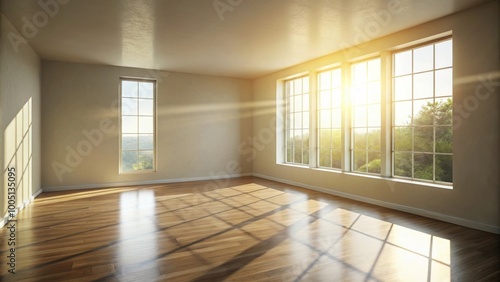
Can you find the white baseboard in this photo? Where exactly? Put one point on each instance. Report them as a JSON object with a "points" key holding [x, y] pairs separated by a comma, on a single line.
{"points": [[412, 210], [135, 183], [6, 217]]}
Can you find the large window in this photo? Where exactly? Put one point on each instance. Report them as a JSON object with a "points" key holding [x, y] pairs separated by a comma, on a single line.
{"points": [[137, 125], [366, 116], [329, 118], [297, 121], [422, 105], [389, 115]]}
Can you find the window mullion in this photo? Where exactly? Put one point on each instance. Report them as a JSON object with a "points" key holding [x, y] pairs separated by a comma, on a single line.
{"points": [[313, 120], [346, 117], [386, 114]]}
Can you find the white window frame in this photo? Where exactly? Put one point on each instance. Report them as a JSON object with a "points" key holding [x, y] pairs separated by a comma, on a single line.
{"points": [[154, 133], [386, 104]]}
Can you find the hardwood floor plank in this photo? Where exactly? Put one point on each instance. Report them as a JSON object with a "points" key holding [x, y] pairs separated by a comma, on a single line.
{"points": [[250, 230]]}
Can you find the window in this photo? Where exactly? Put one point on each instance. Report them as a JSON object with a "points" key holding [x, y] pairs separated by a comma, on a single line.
{"points": [[329, 119], [366, 116], [297, 121], [422, 107], [389, 115], [137, 136]]}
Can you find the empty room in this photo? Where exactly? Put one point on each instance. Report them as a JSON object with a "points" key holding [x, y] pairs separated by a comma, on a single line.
{"points": [[250, 140]]}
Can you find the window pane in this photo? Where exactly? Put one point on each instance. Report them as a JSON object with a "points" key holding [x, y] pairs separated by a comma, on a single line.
{"points": [[360, 161], [424, 138], [336, 116], [360, 139], [146, 142], [402, 164], [403, 140], [129, 124], [374, 161], [324, 80], [325, 99], [146, 90], [298, 86], [305, 85], [360, 116], [336, 98], [359, 73], [297, 120], [305, 105], [336, 159], [298, 103], [444, 54], [374, 89], [444, 111], [424, 111], [402, 113], [373, 139], [325, 118], [337, 138], [403, 88], [444, 139], [444, 82], [324, 157], [129, 88], [358, 96], [374, 115], [129, 141], [423, 85], [129, 159], [403, 63], [145, 160], [444, 168], [146, 125], [423, 166], [129, 106], [423, 58], [146, 107], [325, 138], [305, 119]]}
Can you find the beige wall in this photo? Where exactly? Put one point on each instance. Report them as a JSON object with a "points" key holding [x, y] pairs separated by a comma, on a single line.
{"points": [[20, 76], [201, 122], [474, 199]]}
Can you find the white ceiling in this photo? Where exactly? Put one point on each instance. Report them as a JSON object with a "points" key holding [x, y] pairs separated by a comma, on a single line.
{"points": [[244, 38]]}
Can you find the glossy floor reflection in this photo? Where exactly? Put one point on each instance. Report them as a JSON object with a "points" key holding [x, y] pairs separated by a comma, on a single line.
{"points": [[250, 230]]}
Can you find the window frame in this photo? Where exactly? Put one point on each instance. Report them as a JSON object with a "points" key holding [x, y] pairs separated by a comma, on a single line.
{"points": [[387, 111], [154, 83], [287, 118], [393, 102]]}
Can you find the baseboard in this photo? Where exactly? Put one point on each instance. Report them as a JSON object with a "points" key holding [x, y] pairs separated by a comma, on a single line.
{"points": [[6, 218], [135, 183], [412, 210]]}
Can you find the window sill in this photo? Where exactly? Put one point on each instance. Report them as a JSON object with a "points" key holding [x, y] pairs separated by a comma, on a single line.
{"points": [[372, 176]]}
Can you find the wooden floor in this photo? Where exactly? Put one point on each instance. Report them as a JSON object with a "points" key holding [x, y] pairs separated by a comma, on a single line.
{"points": [[251, 230]]}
